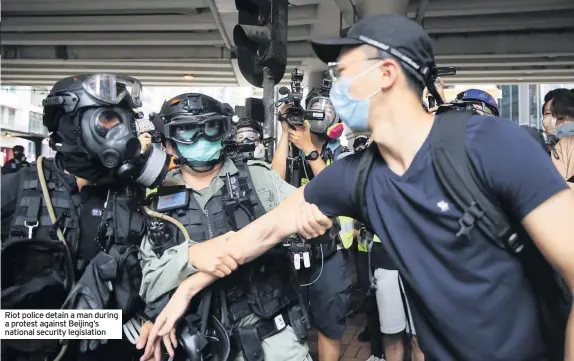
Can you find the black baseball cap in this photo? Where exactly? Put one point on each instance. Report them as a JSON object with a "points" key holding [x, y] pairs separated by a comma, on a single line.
{"points": [[395, 34]]}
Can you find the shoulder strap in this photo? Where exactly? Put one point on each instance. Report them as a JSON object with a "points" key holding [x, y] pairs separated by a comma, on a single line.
{"points": [[363, 169], [457, 174]]}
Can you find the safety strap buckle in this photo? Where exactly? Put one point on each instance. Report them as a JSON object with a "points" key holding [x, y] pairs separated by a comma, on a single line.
{"points": [[471, 215]]}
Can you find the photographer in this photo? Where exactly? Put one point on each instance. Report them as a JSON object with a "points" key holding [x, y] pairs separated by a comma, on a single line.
{"points": [[328, 279]]}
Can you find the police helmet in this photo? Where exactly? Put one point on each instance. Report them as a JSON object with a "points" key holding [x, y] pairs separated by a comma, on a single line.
{"points": [[360, 143], [189, 116], [480, 98], [92, 118]]}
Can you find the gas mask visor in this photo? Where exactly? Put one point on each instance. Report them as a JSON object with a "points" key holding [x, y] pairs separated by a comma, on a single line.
{"points": [[320, 114], [187, 129], [112, 89]]}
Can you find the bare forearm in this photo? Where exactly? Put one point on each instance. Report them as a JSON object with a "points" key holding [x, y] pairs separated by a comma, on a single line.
{"points": [[193, 284], [317, 166], [279, 162], [267, 231]]}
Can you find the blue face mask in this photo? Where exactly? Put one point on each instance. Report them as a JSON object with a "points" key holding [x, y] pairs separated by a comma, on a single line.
{"points": [[565, 129], [354, 112], [202, 150]]}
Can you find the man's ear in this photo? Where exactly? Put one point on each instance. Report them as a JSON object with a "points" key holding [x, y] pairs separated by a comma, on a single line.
{"points": [[389, 70]]}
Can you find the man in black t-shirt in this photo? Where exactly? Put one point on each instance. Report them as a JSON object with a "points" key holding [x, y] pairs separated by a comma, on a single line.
{"points": [[470, 300]]}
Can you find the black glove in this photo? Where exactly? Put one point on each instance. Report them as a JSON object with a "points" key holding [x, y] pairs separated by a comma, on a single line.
{"points": [[93, 291]]}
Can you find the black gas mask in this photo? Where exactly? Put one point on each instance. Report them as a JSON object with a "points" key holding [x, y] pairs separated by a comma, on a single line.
{"points": [[92, 120], [19, 154]]}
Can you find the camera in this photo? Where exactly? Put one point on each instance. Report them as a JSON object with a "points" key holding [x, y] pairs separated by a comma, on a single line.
{"points": [[435, 73], [296, 113]]}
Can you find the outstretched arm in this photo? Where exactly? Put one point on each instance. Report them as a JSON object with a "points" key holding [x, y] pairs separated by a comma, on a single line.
{"points": [[293, 215]]}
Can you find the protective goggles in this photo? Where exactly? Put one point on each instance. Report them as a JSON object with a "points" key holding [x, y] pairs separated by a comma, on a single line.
{"points": [[247, 135], [188, 129], [113, 88]]}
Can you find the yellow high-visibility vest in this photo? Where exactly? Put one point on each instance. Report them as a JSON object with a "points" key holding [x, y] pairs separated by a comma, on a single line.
{"points": [[362, 243], [347, 230]]}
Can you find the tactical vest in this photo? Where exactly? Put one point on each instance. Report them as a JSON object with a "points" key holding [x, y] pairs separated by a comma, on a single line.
{"points": [[31, 210], [264, 287], [223, 213], [36, 268]]}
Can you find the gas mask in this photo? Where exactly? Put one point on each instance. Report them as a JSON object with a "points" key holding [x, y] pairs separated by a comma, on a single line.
{"points": [[197, 125], [19, 156], [248, 135], [322, 118], [92, 121]]}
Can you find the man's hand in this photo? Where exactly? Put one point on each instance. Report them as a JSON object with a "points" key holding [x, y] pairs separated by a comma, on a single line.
{"points": [[301, 138], [311, 223], [172, 313], [153, 349], [212, 256], [145, 141]]}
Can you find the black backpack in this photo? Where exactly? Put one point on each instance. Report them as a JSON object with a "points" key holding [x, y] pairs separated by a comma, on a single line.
{"points": [[37, 273], [457, 174]]}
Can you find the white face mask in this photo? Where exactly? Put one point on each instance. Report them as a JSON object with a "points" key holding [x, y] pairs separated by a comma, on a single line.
{"points": [[259, 152]]}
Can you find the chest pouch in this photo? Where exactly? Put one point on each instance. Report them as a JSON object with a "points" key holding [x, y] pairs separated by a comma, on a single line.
{"points": [[270, 289]]}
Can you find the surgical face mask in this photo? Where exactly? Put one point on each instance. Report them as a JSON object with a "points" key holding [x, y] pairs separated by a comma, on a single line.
{"points": [[565, 129], [202, 150], [259, 152], [354, 112]]}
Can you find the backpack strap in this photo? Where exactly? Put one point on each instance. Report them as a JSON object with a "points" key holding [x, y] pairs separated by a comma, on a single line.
{"points": [[363, 169], [457, 174]]}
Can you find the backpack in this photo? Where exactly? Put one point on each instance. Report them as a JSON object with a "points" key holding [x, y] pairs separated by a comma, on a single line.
{"points": [[458, 176], [37, 272]]}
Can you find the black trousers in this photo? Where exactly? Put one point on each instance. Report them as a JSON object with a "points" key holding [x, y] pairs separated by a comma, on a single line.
{"points": [[373, 325]]}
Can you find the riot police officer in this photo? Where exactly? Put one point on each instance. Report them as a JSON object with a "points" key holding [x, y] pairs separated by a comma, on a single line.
{"points": [[327, 282], [74, 214], [15, 164], [250, 132], [212, 193]]}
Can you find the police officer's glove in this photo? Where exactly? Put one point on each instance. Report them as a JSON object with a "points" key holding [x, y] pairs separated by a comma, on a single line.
{"points": [[93, 291]]}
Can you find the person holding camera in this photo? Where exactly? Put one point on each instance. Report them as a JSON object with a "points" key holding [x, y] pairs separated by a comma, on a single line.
{"points": [[328, 280]]}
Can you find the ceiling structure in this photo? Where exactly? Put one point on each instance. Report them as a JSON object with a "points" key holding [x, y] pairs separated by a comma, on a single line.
{"points": [[189, 42]]}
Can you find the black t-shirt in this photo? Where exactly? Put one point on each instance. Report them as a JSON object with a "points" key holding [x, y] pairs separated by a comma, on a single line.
{"points": [[469, 300]]}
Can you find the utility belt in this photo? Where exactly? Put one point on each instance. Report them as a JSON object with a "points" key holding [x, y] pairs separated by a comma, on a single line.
{"points": [[248, 339]]}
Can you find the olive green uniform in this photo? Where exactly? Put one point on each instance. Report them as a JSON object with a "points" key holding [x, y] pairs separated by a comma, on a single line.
{"points": [[164, 274]]}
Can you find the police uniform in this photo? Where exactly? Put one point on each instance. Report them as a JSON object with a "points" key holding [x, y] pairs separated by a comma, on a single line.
{"points": [[162, 274]]}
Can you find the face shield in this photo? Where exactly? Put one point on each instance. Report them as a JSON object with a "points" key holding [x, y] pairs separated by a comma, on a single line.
{"points": [[320, 114], [113, 88]]}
